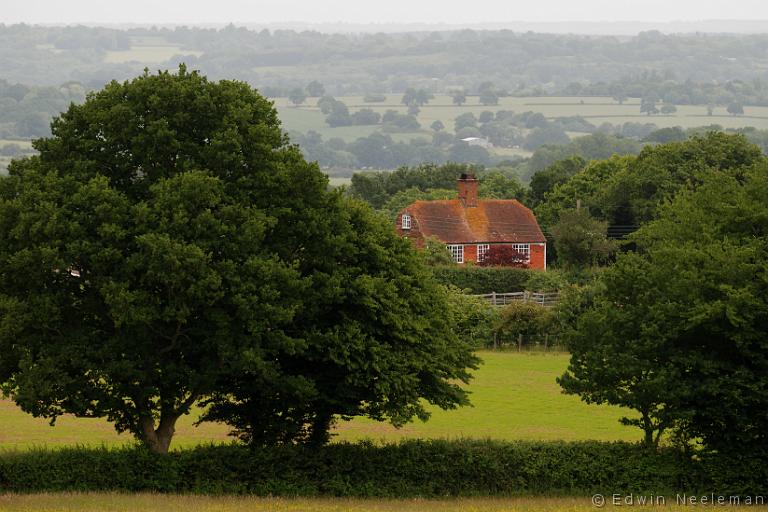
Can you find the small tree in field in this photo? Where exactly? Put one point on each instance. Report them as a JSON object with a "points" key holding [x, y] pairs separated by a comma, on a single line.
{"points": [[297, 96], [504, 255]]}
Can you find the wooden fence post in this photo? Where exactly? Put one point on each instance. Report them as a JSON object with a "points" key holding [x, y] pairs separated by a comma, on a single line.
{"points": [[520, 342]]}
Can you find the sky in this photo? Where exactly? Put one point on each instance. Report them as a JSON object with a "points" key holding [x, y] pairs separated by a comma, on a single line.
{"points": [[379, 12]]}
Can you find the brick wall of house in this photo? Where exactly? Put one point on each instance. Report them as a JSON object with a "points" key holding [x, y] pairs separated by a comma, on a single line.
{"points": [[538, 256]]}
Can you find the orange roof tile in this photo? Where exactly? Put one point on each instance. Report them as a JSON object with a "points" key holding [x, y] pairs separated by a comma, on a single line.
{"points": [[493, 220]]}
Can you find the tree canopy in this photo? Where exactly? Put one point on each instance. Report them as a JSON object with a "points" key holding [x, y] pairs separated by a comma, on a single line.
{"points": [[677, 331], [169, 246]]}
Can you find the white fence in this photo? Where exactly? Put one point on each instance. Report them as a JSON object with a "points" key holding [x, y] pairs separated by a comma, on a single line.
{"points": [[502, 299]]}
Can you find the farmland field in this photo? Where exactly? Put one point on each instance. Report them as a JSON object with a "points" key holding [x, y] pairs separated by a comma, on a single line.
{"points": [[596, 110], [149, 50], [514, 396], [172, 503]]}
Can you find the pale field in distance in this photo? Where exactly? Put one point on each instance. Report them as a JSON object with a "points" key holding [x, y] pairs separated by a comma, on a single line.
{"points": [[595, 109], [149, 49]]}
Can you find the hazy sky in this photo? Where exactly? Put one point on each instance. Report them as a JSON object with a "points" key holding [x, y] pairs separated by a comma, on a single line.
{"points": [[379, 11]]}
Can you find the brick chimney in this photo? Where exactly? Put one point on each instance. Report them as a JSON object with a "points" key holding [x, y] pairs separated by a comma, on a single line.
{"points": [[467, 184]]}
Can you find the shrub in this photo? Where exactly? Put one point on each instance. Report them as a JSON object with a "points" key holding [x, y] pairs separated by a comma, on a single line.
{"points": [[435, 468], [526, 323], [479, 280]]}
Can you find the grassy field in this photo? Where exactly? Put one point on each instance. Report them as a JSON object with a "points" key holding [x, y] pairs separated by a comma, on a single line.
{"points": [[514, 396], [149, 50], [23, 143], [596, 109], [98, 502], [338, 182]]}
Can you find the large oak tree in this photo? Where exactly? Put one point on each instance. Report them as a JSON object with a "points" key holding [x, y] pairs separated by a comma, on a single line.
{"points": [[169, 246]]}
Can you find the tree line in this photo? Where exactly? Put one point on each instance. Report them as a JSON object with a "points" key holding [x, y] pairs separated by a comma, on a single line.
{"points": [[677, 68]]}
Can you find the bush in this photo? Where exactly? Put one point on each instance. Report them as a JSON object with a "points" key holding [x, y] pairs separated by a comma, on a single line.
{"points": [[435, 468], [479, 280], [474, 318], [524, 323]]}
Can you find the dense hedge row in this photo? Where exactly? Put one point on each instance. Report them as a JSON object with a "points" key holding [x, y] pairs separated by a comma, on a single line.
{"points": [[411, 468], [484, 279]]}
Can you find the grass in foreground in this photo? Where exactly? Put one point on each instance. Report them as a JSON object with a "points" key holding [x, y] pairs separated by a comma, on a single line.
{"points": [[171, 503], [514, 396]]}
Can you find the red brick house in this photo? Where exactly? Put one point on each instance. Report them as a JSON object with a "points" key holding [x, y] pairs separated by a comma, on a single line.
{"points": [[470, 227]]}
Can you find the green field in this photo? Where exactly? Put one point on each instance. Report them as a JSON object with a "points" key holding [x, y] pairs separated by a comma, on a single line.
{"points": [[98, 502], [596, 110], [514, 396]]}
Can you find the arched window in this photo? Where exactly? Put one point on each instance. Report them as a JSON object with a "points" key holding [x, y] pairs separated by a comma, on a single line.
{"points": [[406, 221]]}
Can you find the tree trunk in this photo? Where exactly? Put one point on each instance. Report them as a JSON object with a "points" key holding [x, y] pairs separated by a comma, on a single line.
{"points": [[159, 439], [320, 431], [648, 429]]}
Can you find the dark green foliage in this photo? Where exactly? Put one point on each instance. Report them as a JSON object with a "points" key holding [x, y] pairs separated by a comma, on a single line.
{"points": [[677, 331], [561, 171], [377, 187], [597, 146], [478, 280], [627, 191], [378, 341], [524, 323], [581, 240], [409, 469], [169, 246]]}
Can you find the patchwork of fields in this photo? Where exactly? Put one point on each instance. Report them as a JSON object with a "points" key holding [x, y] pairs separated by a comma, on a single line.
{"points": [[596, 110], [514, 396]]}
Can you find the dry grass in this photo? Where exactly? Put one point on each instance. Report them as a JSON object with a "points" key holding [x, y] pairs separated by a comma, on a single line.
{"points": [[171, 503]]}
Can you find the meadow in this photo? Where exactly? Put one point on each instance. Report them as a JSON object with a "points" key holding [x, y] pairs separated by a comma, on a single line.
{"points": [[170, 503], [596, 110], [514, 396], [148, 49]]}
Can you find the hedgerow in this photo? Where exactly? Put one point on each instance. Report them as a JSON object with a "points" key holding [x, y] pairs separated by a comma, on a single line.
{"points": [[413, 468]]}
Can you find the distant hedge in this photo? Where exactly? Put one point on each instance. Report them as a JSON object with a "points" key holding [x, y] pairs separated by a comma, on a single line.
{"points": [[408, 469], [484, 279]]}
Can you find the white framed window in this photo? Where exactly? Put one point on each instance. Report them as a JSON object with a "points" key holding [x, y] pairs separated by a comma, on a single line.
{"points": [[405, 221], [457, 251], [482, 251], [523, 249]]}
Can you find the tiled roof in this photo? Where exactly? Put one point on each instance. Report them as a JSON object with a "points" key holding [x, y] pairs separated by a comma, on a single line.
{"points": [[493, 220]]}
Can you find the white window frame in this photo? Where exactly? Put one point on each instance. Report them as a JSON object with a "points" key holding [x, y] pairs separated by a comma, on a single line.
{"points": [[482, 251], [523, 249], [405, 221], [457, 252]]}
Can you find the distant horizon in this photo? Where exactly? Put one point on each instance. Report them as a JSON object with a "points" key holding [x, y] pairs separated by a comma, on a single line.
{"points": [[597, 27], [626, 15]]}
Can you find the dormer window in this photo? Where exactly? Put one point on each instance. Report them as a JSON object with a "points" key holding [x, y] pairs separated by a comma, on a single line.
{"points": [[406, 221]]}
